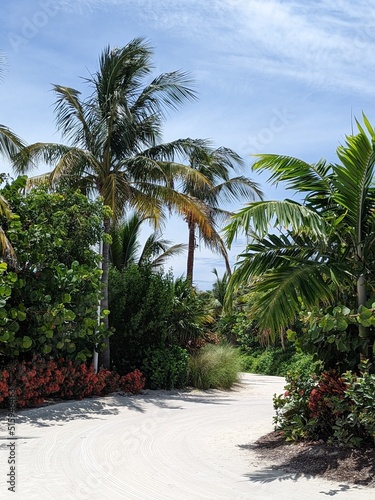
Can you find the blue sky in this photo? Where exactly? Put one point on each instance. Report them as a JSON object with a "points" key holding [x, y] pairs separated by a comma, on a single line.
{"points": [[273, 76]]}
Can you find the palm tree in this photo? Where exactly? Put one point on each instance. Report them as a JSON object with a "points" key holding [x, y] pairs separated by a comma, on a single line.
{"points": [[126, 249], [114, 137], [324, 249], [216, 166]]}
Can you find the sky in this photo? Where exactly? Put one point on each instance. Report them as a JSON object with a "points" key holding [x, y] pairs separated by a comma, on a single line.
{"points": [[272, 76]]}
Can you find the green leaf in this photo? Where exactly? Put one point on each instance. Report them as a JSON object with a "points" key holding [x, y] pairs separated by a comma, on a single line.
{"points": [[26, 342], [345, 311], [364, 313], [21, 315], [327, 323], [291, 335], [341, 324]]}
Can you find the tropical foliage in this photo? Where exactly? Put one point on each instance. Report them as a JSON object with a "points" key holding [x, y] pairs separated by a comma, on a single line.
{"points": [[216, 165], [155, 319], [141, 302], [320, 252], [337, 409], [49, 300], [126, 248], [114, 137]]}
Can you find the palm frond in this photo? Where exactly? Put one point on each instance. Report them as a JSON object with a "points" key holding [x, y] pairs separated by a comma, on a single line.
{"points": [[125, 241], [296, 174], [10, 143], [8, 253], [235, 188], [30, 156], [354, 180], [71, 117], [168, 90], [261, 216]]}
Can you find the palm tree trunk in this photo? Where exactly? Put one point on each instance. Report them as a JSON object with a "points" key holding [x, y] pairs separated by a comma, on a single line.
{"points": [[363, 331], [105, 355], [191, 250]]}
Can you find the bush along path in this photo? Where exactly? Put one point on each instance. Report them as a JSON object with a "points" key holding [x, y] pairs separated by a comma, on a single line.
{"points": [[31, 383]]}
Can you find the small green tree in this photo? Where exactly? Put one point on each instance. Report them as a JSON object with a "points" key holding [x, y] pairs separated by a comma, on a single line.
{"points": [[49, 303], [140, 302]]}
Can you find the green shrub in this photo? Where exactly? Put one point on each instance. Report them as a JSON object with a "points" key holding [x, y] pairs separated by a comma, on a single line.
{"points": [[140, 302], [337, 409], [215, 367], [293, 416], [189, 314], [355, 425], [165, 368], [278, 361], [48, 303]]}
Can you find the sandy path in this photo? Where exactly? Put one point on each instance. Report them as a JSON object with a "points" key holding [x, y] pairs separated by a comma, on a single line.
{"points": [[157, 446]]}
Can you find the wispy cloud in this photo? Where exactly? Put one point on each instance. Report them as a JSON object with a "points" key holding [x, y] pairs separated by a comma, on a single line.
{"points": [[320, 43]]}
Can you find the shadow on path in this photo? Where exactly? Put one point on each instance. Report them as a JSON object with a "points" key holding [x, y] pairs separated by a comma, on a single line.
{"points": [[57, 413]]}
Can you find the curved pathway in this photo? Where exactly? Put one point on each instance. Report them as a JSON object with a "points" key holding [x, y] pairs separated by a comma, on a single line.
{"points": [[161, 445]]}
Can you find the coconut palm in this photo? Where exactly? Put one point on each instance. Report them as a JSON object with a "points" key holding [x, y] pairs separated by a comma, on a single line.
{"points": [[216, 165], [324, 249], [114, 137], [126, 248]]}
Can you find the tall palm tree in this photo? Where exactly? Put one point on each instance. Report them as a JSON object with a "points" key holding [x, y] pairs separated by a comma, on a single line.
{"points": [[325, 245], [216, 165], [114, 137], [126, 248]]}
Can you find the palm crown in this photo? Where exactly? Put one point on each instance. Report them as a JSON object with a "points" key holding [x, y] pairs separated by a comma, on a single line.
{"points": [[323, 250], [114, 139]]}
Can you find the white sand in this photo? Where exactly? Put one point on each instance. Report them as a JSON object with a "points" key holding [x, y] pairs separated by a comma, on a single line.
{"points": [[157, 446]]}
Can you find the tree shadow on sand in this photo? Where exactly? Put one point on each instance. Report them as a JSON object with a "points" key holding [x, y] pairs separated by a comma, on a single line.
{"points": [[284, 461], [58, 412]]}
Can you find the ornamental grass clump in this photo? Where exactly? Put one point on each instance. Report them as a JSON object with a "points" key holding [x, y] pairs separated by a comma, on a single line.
{"points": [[215, 367]]}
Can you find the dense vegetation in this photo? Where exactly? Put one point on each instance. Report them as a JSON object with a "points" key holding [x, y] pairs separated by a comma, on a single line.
{"points": [[316, 271], [75, 281]]}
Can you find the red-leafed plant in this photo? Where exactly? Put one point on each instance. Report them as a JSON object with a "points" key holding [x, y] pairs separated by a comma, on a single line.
{"points": [[32, 381], [4, 390], [133, 382]]}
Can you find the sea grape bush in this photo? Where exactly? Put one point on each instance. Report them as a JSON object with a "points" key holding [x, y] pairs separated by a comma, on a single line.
{"points": [[355, 426], [330, 335], [33, 381], [48, 301]]}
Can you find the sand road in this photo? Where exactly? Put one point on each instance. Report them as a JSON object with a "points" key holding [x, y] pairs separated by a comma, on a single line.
{"points": [[161, 445]]}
